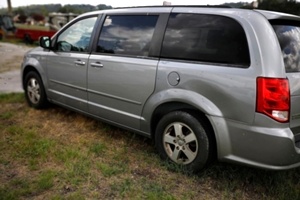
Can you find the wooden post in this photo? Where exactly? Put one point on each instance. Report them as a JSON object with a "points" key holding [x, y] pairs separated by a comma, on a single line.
{"points": [[9, 7]]}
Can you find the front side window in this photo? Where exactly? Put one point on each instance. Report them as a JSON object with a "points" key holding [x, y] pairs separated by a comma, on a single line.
{"points": [[127, 35], [289, 40], [76, 38], [206, 38]]}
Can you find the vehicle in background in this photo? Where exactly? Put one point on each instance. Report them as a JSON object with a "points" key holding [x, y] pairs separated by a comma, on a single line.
{"points": [[32, 31], [7, 28]]}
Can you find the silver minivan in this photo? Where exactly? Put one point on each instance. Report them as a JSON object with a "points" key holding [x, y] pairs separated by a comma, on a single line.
{"points": [[204, 82]]}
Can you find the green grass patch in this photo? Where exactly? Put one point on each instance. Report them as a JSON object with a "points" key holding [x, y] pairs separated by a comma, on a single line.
{"points": [[109, 170], [25, 187], [123, 188], [19, 41], [32, 145], [67, 154], [98, 149], [154, 191], [78, 170], [12, 98], [45, 180], [6, 115]]}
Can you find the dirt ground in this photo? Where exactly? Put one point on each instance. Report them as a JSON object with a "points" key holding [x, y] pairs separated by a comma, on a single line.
{"points": [[11, 56]]}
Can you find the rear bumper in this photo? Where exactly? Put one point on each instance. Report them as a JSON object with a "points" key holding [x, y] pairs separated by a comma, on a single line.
{"points": [[268, 148]]}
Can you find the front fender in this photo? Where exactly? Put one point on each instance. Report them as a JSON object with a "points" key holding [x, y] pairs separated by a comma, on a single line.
{"points": [[35, 62]]}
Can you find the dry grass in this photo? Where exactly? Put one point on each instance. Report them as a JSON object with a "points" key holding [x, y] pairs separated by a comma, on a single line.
{"points": [[59, 154]]}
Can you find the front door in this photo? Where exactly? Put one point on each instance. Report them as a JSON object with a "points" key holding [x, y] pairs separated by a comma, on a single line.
{"points": [[67, 65]]}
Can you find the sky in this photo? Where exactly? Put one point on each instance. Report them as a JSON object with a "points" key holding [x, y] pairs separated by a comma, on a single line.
{"points": [[117, 3]]}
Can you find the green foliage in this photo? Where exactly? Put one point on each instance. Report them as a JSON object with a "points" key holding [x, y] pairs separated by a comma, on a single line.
{"points": [[45, 9], [291, 7], [69, 9], [103, 7]]}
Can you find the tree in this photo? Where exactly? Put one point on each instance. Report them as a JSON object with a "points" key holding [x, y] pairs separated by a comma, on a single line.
{"points": [[287, 6]]}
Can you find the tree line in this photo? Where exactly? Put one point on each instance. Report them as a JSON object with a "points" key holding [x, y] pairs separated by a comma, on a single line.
{"points": [[49, 8], [286, 6]]}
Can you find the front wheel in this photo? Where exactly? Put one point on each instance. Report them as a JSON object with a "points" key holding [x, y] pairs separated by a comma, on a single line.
{"points": [[35, 91], [183, 139]]}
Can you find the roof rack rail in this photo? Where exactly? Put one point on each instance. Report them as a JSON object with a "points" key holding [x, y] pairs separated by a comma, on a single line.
{"points": [[194, 6]]}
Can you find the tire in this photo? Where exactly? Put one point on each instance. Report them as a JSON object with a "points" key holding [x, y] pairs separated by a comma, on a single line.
{"points": [[35, 91], [182, 139], [27, 39]]}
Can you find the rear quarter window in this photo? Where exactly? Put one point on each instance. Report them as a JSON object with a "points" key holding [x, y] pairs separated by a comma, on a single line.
{"points": [[206, 38], [288, 34]]}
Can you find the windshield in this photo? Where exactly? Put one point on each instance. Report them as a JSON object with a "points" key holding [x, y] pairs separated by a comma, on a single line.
{"points": [[7, 22], [289, 39]]}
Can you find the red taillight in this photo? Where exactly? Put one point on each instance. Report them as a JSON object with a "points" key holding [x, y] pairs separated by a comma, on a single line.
{"points": [[273, 98]]}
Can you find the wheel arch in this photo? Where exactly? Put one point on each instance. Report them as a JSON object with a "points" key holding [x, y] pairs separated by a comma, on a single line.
{"points": [[30, 68], [174, 99]]}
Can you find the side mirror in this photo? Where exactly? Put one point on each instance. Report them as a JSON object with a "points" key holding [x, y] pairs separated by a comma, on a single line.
{"points": [[45, 42]]}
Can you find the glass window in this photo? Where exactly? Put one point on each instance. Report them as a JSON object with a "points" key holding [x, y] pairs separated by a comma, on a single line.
{"points": [[77, 36], [128, 35], [289, 40], [205, 38]]}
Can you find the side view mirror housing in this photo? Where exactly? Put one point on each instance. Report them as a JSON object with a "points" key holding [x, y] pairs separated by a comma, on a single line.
{"points": [[45, 42]]}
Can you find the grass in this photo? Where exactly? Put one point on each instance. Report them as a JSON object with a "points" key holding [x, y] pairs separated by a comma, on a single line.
{"points": [[58, 154]]}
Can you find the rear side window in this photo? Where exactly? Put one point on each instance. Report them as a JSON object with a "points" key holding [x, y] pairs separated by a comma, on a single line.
{"points": [[206, 38], [289, 39], [127, 35]]}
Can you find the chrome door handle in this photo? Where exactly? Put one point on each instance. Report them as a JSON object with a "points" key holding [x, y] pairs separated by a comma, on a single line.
{"points": [[79, 62], [97, 65]]}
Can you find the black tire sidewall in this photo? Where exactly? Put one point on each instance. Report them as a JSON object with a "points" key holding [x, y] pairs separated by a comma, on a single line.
{"points": [[43, 102], [27, 39], [195, 124]]}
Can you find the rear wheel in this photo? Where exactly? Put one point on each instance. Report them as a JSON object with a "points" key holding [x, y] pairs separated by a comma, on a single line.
{"points": [[27, 39], [34, 91], [182, 139]]}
